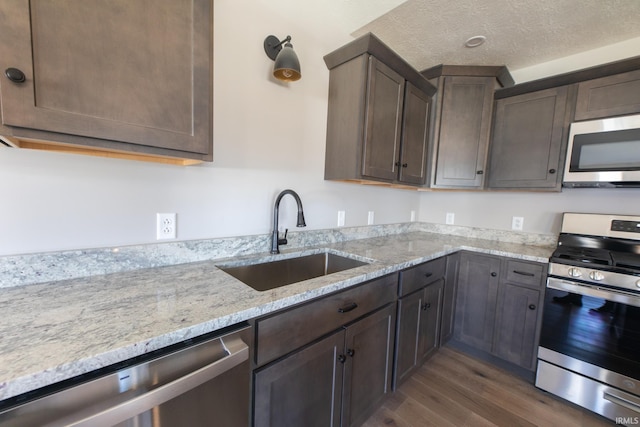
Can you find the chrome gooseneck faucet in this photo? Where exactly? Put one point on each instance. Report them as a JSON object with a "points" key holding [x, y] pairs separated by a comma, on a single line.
{"points": [[276, 241]]}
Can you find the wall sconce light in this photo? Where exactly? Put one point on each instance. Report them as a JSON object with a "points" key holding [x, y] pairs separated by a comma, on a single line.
{"points": [[286, 66]]}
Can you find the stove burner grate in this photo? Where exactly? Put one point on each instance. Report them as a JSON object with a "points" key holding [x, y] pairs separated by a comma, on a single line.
{"points": [[584, 255], [626, 260]]}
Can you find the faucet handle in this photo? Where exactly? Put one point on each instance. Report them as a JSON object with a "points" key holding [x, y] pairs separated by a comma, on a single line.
{"points": [[283, 241]]}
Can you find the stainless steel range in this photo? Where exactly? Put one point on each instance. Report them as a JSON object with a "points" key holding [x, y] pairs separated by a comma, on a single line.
{"points": [[589, 348]]}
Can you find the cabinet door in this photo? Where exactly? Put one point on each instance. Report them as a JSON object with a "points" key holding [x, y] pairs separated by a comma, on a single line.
{"points": [[609, 96], [527, 140], [449, 298], [303, 389], [407, 335], [476, 301], [381, 148], [515, 339], [430, 320], [130, 71], [415, 135], [369, 349], [463, 137]]}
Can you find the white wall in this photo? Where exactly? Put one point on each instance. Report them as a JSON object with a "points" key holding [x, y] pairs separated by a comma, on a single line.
{"points": [[268, 136], [542, 212]]}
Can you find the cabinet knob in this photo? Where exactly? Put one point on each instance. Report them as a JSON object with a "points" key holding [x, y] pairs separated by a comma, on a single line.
{"points": [[532, 306], [479, 172], [342, 358], [552, 171], [494, 274], [15, 75], [426, 306], [350, 352]]}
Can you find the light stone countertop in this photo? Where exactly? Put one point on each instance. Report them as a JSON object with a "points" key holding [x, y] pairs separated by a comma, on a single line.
{"points": [[55, 331]]}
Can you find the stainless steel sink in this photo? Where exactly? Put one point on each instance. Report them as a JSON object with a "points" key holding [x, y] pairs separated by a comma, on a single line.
{"points": [[274, 274]]}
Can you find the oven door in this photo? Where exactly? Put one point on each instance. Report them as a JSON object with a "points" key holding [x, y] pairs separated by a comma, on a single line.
{"points": [[604, 153], [593, 324], [589, 347]]}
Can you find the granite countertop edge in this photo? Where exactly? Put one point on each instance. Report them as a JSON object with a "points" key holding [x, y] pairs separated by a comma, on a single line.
{"points": [[157, 307]]}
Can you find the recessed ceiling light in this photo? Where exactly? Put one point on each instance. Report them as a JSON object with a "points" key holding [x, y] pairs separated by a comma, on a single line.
{"points": [[475, 41]]}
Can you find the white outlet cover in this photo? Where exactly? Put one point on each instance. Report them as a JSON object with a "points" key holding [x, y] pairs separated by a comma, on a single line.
{"points": [[341, 217], [370, 218], [517, 223], [450, 218], [165, 226]]}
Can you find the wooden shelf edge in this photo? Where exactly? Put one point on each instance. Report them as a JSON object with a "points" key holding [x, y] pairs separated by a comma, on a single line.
{"points": [[74, 149]]}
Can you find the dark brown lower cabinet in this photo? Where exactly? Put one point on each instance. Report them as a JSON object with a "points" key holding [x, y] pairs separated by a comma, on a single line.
{"points": [[476, 302], [338, 380], [304, 389], [499, 307], [447, 319], [418, 329], [517, 324], [367, 369]]}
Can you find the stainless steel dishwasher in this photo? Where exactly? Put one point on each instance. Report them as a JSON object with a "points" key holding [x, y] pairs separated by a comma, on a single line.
{"points": [[204, 383]]}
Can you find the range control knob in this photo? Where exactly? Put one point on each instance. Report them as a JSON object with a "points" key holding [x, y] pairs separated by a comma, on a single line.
{"points": [[638, 283], [596, 275], [574, 272]]}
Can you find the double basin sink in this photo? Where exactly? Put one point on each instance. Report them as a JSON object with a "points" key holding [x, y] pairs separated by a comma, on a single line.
{"points": [[263, 276]]}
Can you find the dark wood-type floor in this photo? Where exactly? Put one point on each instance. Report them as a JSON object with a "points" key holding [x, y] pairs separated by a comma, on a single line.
{"points": [[452, 389]]}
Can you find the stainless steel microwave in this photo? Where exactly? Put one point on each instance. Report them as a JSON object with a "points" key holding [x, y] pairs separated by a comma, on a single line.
{"points": [[604, 153]]}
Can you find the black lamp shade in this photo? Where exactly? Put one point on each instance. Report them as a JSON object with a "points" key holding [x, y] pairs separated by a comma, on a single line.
{"points": [[287, 66]]}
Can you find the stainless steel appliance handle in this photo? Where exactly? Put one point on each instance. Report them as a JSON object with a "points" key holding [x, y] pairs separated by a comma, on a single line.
{"points": [[622, 399], [609, 294], [237, 351]]}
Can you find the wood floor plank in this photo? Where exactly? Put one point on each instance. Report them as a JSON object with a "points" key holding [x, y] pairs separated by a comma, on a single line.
{"points": [[454, 389], [437, 402], [470, 399], [416, 414], [518, 396]]}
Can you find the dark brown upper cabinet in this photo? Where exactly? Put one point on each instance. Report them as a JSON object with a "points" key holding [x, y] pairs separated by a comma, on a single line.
{"points": [[528, 141], [126, 77], [463, 111], [609, 96], [378, 116]]}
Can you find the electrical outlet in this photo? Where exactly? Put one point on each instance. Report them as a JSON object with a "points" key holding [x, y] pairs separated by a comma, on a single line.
{"points": [[451, 218], [165, 226], [517, 222], [413, 216], [341, 215], [370, 218]]}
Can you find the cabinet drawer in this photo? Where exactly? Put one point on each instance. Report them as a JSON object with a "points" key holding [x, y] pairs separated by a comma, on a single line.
{"points": [[524, 273], [284, 332], [421, 275]]}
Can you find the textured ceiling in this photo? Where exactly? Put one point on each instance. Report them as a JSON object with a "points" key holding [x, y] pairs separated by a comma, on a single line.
{"points": [[520, 33]]}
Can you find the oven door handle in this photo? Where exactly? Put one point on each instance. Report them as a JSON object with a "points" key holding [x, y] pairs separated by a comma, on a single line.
{"points": [[622, 399], [609, 294]]}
